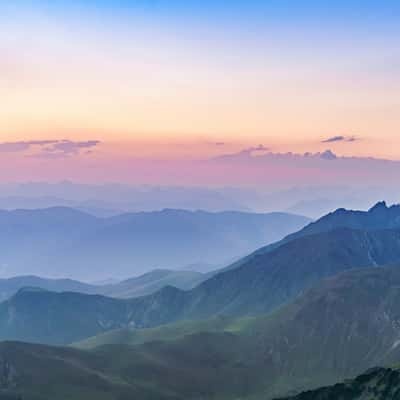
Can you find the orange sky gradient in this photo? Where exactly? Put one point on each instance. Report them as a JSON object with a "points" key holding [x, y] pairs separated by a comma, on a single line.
{"points": [[159, 88]]}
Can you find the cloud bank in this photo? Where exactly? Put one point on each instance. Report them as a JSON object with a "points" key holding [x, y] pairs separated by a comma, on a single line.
{"points": [[253, 165]]}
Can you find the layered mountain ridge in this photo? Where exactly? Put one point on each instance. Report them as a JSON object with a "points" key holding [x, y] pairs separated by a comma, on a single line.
{"points": [[265, 283], [63, 242], [142, 285], [316, 309], [323, 337]]}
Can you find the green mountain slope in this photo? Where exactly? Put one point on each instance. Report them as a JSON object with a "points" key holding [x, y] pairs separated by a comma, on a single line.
{"points": [[272, 279], [40, 316], [344, 326], [169, 332], [265, 283], [35, 372]]}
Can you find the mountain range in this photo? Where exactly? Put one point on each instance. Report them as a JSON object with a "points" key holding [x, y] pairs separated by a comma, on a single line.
{"points": [[145, 284], [343, 326], [318, 307], [379, 217], [263, 282], [63, 242]]}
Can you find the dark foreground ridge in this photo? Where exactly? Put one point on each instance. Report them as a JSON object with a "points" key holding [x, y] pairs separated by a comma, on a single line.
{"points": [[375, 384]]}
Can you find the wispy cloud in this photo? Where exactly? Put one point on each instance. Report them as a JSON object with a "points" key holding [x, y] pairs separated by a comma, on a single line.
{"points": [[21, 146], [339, 138], [49, 148], [260, 147], [245, 153], [66, 148]]}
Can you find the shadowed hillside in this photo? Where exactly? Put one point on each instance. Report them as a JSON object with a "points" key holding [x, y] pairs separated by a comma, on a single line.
{"points": [[379, 217]]}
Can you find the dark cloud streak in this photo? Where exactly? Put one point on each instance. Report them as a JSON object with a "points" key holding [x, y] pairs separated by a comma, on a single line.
{"points": [[340, 138]]}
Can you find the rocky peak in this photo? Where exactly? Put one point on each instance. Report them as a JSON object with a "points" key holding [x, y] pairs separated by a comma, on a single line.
{"points": [[379, 207]]}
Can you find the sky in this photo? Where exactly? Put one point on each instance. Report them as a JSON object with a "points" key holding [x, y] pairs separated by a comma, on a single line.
{"points": [[162, 91]]}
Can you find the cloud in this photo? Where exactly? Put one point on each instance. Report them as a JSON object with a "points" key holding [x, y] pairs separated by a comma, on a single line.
{"points": [[216, 143], [49, 148], [339, 138], [298, 160], [244, 154], [328, 155], [21, 146], [66, 148], [260, 147]]}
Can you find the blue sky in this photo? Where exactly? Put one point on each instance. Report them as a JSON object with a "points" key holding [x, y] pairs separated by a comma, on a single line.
{"points": [[292, 10]]}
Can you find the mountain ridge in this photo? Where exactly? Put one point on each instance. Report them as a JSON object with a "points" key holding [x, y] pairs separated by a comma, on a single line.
{"points": [[266, 283], [142, 285], [379, 216], [63, 242]]}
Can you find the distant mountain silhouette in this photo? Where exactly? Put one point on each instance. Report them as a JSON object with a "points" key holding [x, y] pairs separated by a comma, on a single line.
{"points": [[151, 282], [63, 242], [145, 284]]}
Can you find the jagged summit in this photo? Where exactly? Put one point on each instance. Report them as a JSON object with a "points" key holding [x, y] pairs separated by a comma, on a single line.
{"points": [[379, 216], [381, 205]]}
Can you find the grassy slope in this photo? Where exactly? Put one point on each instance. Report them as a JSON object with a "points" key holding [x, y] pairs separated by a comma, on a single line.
{"points": [[165, 332], [334, 331], [42, 372]]}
